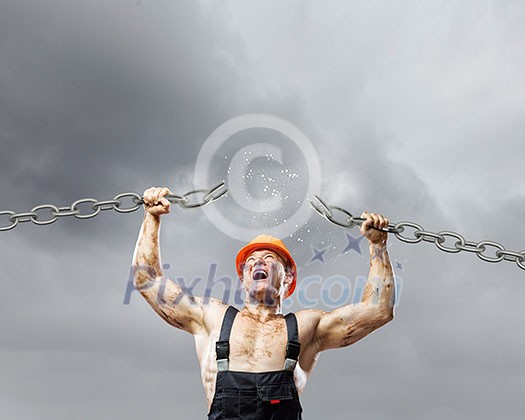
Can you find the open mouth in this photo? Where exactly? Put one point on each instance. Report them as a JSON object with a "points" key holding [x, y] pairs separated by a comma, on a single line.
{"points": [[260, 274]]}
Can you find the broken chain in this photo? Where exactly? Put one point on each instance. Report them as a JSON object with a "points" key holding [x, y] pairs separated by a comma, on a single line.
{"points": [[419, 234], [325, 210], [37, 217]]}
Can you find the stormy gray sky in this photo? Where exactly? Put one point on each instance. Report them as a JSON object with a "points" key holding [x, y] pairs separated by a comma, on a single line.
{"points": [[415, 110]]}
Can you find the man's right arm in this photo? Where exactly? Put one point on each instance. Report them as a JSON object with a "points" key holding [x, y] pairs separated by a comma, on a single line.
{"points": [[177, 307]]}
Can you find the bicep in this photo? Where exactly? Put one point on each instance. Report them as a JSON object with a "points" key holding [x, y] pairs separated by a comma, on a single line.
{"points": [[346, 325], [177, 307]]}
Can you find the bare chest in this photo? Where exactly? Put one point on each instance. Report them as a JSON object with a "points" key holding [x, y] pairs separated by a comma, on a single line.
{"points": [[257, 346]]}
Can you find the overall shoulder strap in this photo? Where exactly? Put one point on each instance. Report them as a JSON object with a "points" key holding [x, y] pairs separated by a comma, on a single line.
{"points": [[222, 347], [293, 347]]}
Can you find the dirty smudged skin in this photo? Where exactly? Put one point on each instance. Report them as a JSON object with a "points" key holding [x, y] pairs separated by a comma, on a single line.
{"points": [[259, 344], [259, 336]]}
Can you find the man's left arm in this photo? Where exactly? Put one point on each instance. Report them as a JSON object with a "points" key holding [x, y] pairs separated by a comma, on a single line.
{"points": [[348, 324]]}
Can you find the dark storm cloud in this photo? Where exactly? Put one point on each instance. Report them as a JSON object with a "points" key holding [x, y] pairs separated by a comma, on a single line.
{"points": [[93, 96]]}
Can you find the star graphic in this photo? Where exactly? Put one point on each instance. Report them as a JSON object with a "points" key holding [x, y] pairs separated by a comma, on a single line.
{"points": [[399, 265], [353, 243], [318, 255]]}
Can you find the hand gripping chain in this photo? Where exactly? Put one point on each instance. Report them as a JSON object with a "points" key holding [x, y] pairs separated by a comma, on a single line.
{"points": [[419, 234], [95, 206]]}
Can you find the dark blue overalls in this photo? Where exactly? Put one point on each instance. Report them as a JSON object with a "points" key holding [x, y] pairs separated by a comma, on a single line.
{"points": [[260, 395]]}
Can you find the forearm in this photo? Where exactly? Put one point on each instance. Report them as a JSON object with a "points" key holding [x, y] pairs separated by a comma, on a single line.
{"points": [[146, 258], [380, 287]]}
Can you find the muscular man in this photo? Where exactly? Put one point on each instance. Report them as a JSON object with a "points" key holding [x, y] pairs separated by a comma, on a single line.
{"points": [[255, 362]]}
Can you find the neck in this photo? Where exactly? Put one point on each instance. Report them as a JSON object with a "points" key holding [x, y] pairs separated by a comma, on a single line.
{"points": [[260, 310]]}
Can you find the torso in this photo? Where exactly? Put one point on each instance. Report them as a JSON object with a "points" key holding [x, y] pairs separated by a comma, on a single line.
{"points": [[256, 345]]}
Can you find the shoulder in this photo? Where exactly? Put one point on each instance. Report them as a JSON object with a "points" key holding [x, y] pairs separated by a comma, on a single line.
{"points": [[213, 314], [307, 322], [307, 317]]}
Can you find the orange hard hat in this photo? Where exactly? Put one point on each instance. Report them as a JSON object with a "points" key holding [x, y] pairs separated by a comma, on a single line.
{"points": [[273, 244]]}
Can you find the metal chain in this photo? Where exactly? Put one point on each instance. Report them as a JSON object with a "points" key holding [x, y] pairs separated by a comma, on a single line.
{"points": [[419, 234], [87, 208], [208, 196]]}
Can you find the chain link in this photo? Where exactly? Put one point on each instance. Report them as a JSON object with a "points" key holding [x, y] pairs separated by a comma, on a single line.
{"points": [[93, 207], [418, 234], [12, 219], [519, 261], [135, 198], [95, 210], [37, 220], [400, 228], [470, 246], [484, 244]]}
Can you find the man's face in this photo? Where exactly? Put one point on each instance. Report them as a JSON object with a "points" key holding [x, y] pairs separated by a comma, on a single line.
{"points": [[264, 275]]}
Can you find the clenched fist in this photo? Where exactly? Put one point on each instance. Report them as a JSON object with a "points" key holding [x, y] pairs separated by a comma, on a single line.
{"points": [[379, 222], [155, 202]]}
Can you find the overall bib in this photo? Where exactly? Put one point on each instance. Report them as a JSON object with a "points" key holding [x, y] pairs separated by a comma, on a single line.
{"points": [[255, 396]]}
